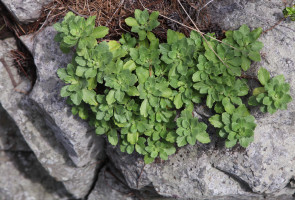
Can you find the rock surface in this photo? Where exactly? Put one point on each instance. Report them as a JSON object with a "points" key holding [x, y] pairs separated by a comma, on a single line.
{"points": [[110, 185], [80, 141], [267, 165], [22, 176], [25, 11], [40, 137]]}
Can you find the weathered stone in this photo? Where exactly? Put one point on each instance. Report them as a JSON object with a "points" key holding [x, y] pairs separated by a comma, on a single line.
{"points": [[111, 185], [77, 137], [267, 165], [9, 134], [40, 137], [25, 11], [22, 176]]}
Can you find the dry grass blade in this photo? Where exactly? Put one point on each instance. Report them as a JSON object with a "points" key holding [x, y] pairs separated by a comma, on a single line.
{"points": [[202, 34], [189, 27]]}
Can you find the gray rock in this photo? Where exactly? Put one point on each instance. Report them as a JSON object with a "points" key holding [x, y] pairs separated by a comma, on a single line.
{"points": [[80, 141], [9, 137], [111, 185], [22, 176], [267, 165], [25, 11], [40, 137]]}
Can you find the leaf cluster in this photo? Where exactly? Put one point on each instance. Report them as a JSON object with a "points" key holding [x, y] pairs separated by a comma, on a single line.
{"points": [[290, 12], [273, 95], [140, 93], [235, 127]]}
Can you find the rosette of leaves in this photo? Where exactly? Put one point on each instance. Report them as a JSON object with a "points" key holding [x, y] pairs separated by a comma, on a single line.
{"points": [[76, 31], [246, 47], [222, 92], [143, 22], [236, 127], [190, 130], [273, 95], [289, 12]]}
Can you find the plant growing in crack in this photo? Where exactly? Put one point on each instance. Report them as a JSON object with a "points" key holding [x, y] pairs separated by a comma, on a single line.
{"points": [[132, 90]]}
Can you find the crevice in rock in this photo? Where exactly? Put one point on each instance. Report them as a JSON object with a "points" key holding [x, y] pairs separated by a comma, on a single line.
{"points": [[32, 111], [23, 59], [96, 177], [244, 185], [24, 160]]}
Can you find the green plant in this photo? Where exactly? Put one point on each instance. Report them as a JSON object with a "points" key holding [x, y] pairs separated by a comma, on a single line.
{"points": [[290, 12], [273, 95], [235, 127], [132, 90]]}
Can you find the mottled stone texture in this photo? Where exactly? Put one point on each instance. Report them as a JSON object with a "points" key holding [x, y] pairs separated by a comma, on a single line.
{"points": [[268, 164], [69, 151], [111, 185], [39, 136], [25, 11], [22, 176]]}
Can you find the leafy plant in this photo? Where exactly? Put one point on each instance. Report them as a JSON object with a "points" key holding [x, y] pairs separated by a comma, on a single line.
{"points": [[273, 95], [290, 12], [133, 90], [235, 127]]}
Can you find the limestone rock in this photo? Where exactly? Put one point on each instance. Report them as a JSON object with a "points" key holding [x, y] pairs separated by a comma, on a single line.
{"points": [[22, 176], [25, 11], [267, 165], [39, 136], [80, 141], [110, 185]]}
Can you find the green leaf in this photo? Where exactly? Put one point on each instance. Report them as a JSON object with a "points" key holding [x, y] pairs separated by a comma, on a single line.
{"points": [[132, 137], [215, 120], [130, 21], [77, 98], [245, 63], [111, 97], [154, 15], [255, 56], [263, 76], [256, 33], [203, 137], [89, 97], [181, 141], [64, 91], [100, 32], [113, 137], [100, 131], [258, 90], [141, 34], [148, 159], [62, 74], [130, 65], [142, 75], [230, 143], [178, 101], [119, 95], [244, 29], [267, 101], [226, 118], [228, 106], [144, 108], [244, 142]]}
